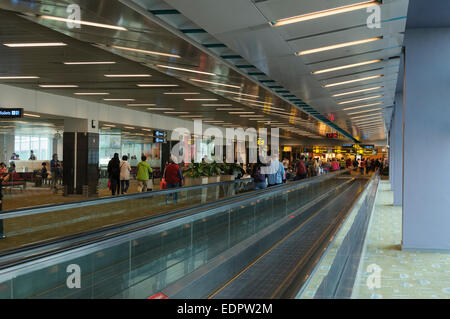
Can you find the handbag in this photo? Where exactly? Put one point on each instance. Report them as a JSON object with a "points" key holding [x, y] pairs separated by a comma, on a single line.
{"points": [[163, 184]]}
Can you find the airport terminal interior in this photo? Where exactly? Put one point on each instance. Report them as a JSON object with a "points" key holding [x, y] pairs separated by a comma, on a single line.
{"points": [[224, 149]]}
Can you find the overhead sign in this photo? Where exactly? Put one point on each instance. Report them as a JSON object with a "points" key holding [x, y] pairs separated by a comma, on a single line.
{"points": [[159, 134], [332, 135], [11, 113], [159, 140]]}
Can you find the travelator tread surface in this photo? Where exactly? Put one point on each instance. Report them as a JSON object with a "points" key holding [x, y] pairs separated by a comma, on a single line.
{"points": [[269, 276]]}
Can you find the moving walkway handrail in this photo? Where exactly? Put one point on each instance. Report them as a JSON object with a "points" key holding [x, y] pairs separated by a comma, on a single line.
{"points": [[160, 224], [108, 200]]}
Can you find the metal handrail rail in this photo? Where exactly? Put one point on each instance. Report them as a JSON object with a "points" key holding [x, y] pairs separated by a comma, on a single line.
{"points": [[107, 200], [127, 235]]}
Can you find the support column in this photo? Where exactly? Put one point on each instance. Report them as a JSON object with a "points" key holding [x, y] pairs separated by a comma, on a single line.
{"points": [[426, 177], [81, 156], [397, 161], [391, 154]]}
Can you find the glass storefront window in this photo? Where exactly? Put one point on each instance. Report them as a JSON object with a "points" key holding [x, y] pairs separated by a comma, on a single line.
{"points": [[40, 146]]}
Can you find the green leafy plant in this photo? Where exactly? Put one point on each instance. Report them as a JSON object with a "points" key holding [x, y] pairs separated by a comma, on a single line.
{"points": [[196, 170]]}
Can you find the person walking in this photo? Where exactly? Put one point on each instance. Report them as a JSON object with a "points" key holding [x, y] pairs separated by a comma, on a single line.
{"points": [[300, 170], [259, 179], [362, 165], [278, 176], [125, 169], [173, 177], [3, 178], [55, 169], [144, 172], [114, 174]]}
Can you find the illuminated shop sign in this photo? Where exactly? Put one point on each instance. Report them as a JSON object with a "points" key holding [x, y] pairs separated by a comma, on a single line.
{"points": [[159, 134], [11, 113], [332, 135]]}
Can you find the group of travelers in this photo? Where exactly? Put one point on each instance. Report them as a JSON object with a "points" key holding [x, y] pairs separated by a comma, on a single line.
{"points": [[367, 165], [119, 174]]}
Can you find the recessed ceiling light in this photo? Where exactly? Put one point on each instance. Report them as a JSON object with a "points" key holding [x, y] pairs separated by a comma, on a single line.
{"points": [[253, 101], [109, 125], [367, 111], [146, 129], [185, 70], [88, 63], [216, 83], [58, 86], [361, 106], [347, 66], [118, 100], [141, 104], [364, 116], [160, 109], [191, 100], [191, 116], [338, 46], [325, 13], [127, 75], [146, 51], [31, 115], [176, 112], [91, 93], [181, 93], [18, 77], [91, 24], [36, 44], [217, 104], [129, 127], [352, 81], [362, 99], [238, 93], [156, 85], [358, 91]]}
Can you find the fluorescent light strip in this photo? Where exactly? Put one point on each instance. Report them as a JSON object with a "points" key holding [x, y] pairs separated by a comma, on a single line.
{"points": [[91, 24], [241, 112], [368, 121], [325, 13], [127, 75], [193, 100], [360, 112], [91, 93], [146, 51], [31, 115], [217, 104], [353, 81], [191, 116], [338, 46], [18, 77], [238, 93], [156, 85], [141, 104], [229, 109], [129, 127], [269, 108], [253, 101], [33, 45], [185, 70], [216, 83], [161, 109], [368, 115], [181, 93], [88, 63], [58, 86], [361, 106], [146, 129], [176, 112], [347, 66], [362, 99], [359, 91], [109, 125], [119, 100], [251, 115]]}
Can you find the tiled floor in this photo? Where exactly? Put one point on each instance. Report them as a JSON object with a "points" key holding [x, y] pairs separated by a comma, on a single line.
{"points": [[403, 274]]}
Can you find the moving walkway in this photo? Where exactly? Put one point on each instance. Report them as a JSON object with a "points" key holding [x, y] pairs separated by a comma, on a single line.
{"points": [[258, 244]]}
